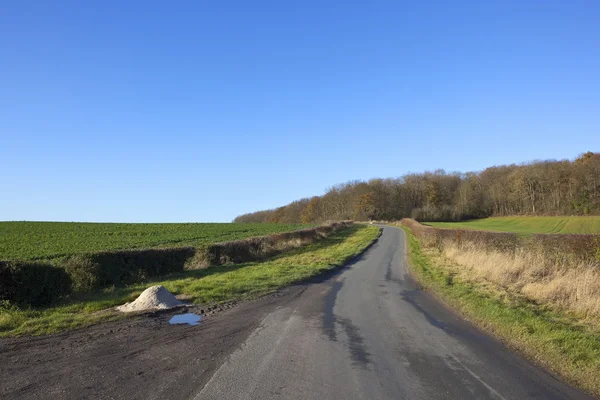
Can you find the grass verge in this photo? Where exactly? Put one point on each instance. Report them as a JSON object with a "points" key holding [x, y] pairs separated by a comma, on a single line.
{"points": [[211, 285], [553, 340]]}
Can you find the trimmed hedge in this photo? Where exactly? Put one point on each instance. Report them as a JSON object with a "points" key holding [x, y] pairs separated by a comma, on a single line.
{"points": [[119, 268], [553, 246], [257, 248], [581, 246], [32, 283], [39, 284], [93, 271]]}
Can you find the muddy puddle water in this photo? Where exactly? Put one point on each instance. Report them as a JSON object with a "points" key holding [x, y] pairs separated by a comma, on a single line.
{"points": [[190, 319]]}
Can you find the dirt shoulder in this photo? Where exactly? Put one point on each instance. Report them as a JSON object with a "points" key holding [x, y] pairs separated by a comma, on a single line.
{"points": [[135, 358]]}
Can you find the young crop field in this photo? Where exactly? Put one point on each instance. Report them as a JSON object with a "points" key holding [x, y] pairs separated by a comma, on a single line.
{"points": [[50, 240], [528, 225]]}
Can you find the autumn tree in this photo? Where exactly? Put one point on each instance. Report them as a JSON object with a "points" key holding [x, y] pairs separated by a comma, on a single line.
{"points": [[311, 213], [536, 188]]}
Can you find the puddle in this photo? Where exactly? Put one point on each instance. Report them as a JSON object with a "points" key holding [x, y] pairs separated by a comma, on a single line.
{"points": [[189, 318]]}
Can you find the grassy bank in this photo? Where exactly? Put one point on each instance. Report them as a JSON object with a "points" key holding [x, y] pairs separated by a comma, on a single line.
{"points": [[528, 225], [560, 342], [211, 285]]}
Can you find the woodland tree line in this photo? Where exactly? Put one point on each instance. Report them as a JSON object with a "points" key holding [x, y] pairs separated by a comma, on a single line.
{"points": [[537, 188]]}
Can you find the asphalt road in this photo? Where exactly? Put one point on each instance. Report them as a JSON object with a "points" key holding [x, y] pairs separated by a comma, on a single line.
{"points": [[370, 333]]}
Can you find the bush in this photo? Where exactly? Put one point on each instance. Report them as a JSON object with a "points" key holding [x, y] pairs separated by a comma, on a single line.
{"points": [[553, 246], [257, 248], [583, 247], [433, 213], [38, 284], [32, 283], [120, 268]]}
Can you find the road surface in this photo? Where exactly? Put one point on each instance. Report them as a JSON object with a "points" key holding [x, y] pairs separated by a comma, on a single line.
{"points": [[370, 333]]}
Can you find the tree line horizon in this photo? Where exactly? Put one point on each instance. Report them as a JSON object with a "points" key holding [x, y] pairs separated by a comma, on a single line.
{"points": [[549, 187]]}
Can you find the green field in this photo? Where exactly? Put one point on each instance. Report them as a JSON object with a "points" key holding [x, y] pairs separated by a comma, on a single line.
{"points": [[528, 225], [49, 240]]}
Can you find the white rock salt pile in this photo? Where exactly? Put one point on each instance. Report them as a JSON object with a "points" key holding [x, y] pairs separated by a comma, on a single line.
{"points": [[153, 298]]}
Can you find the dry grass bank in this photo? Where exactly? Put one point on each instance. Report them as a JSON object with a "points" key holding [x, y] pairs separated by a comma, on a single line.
{"points": [[561, 271], [567, 286]]}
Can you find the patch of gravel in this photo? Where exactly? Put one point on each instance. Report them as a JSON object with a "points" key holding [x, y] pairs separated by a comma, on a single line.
{"points": [[153, 298]]}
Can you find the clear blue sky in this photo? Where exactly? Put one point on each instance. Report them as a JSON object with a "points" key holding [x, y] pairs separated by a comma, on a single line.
{"points": [[203, 110]]}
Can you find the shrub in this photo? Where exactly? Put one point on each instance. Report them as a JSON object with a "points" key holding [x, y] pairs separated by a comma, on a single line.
{"points": [[583, 247], [257, 248], [555, 246], [84, 273], [503, 241], [119, 268], [32, 283], [37, 284], [433, 213]]}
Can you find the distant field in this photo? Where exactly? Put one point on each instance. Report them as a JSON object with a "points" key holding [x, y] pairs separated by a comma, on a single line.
{"points": [[528, 225], [48, 240]]}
